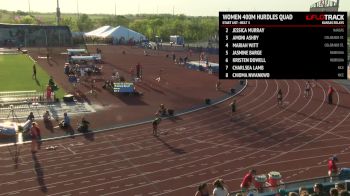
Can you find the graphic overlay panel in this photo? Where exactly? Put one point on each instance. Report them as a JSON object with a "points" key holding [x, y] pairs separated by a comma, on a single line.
{"points": [[123, 87], [283, 45]]}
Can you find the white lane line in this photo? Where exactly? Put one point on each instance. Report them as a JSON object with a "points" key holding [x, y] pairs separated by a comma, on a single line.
{"points": [[71, 151], [319, 129], [331, 113], [214, 109]]}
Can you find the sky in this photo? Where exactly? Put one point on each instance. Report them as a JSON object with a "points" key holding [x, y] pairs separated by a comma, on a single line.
{"points": [[187, 7]]}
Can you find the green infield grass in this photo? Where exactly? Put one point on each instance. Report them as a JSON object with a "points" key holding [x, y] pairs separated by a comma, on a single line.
{"points": [[16, 75]]}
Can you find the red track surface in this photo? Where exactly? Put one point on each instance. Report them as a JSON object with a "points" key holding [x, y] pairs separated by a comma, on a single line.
{"points": [[296, 140]]}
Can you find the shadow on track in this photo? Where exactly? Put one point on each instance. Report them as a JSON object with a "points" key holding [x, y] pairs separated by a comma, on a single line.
{"points": [[175, 150], [89, 136], [39, 174]]}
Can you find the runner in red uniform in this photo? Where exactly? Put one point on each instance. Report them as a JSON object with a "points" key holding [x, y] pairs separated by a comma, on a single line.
{"points": [[332, 167], [247, 180]]}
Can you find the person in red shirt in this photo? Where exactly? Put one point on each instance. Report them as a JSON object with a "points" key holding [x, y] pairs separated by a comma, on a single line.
{"points": [[330, 95], [36, 137], [48, 92], [332, 167], [247, 180]]}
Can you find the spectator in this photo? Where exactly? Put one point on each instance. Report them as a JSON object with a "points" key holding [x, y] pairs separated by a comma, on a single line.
{"points": [[332, 167], [66, 69], [84, 125], [333, 192], [220, 188], [47, 116], [48, 92], [303, 191], [282, 192], [202, 190], [52, 84], [344, 193], [66, 121], [247, 180], [340, 187], [30, 116], [292, 194], [174, 56], [318, 190], [162, 110]]}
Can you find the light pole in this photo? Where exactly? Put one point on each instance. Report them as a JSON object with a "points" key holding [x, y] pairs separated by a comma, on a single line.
{"points": [[78, 9], [29, 6], [58, 13]]}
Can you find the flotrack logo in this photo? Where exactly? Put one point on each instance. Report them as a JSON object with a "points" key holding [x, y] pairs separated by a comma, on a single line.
{"points": [[315, 17], [325, 17]]}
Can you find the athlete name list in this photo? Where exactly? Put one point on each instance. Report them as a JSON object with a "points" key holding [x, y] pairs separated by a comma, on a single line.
{"points": [[291, 45]]}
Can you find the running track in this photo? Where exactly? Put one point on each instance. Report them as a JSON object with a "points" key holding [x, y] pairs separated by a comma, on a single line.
{"points": [[295, 139]]}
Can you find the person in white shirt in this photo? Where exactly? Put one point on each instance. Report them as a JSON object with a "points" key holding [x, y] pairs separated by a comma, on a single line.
{"points": [[220, 188]]}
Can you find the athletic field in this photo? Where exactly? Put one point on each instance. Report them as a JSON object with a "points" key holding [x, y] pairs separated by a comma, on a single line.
{"points": [[16, 75]]}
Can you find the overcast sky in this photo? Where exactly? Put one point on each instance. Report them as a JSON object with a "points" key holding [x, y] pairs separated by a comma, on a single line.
{"points": [[188, 7]]}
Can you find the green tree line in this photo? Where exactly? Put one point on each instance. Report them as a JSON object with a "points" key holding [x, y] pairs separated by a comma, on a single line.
{"points": [[193, 29]]}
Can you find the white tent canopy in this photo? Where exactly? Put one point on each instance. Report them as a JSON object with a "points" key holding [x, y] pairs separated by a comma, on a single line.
{"points": [[116, 33], [98, 31]]}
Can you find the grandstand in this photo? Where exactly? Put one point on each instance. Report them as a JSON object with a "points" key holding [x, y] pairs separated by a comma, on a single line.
{"points": [[325, 6], [22, 35]]}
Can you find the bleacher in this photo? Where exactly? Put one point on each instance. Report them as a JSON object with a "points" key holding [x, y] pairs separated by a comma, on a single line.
{"points": [[285, 188], [8, 98]]}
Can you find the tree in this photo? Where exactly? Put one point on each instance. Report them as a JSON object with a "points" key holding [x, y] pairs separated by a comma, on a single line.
{"points": [[84, 23], [114, 21], [155, 24], [27, 20], [139, 26], [68, 21]]}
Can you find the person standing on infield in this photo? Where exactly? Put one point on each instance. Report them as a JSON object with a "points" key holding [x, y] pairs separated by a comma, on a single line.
{"points": [[34, 72]]}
